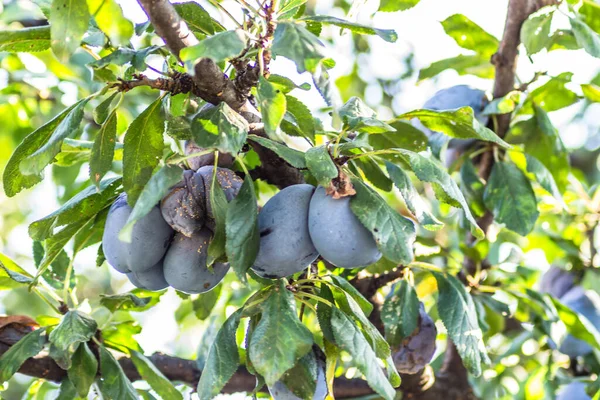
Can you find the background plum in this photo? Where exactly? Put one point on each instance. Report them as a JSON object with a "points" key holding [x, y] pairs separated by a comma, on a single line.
{"points": [[586, 303], [285, 244], [185, 264], [337, 234], [195, 163], [573, 391], [416, 351], [556, 281], [150, 238], [152, 279], [184, 208]]}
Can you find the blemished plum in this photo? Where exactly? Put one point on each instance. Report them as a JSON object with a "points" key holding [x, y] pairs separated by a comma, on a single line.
{"points": [[195, 163], [184, 208], [150, 238], [556, 281], [285, 244], [573, 391], [337, 233], [417, 350], [185, 264], [229, 181], [586, 303], [152, 279], [279, 391]]}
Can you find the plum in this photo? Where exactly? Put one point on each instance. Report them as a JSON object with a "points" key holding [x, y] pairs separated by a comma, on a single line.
{"points": [[195, 163], [573, 391], [279, 390], [556, 281], [285, 244], [587, 304], [337, 233], [451, 98], [229, 181], [150, 238], [184, 208], [185, 264], [416, 350], [152, 279]]}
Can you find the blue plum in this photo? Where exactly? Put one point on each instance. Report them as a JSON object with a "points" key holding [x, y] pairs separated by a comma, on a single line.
{"points": [[587, 304], [229, 181], [152, 279], [195, 163], [285, 244], [149, 240], [573, 391], [184, 208], [417, 350], [185, 264], [556, 281], [337, 233]]}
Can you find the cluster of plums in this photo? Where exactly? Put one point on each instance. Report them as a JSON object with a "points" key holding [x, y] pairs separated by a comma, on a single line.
{"points": [[169, 245]]}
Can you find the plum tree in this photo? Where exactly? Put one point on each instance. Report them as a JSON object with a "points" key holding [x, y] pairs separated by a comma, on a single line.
{"points": [[150, 238], [185, 266], [417, 350], [573, 391], [184, 208], [337, 234], [152, 279], [556, 281], [285, 243], [587, 304], [229, 181]]}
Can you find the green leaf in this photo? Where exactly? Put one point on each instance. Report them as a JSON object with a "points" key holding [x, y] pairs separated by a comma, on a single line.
{"points": [[406, 136], [469, 35], [67, 390], [590, 13], [357, 116], [373, 173], [551, 96], [365, 305], [241, 228], [400, 313], [580, 328], [320, 165], [84, 205], [535, 32], [28, 40], [103, 151], [218, 203], [114, 383], [586, 37], [472, 187], [196, 17], [302, 116], [272, 104], [84, 367], [477, 65], [68, 23], [220, 47], [102, 110], [446, 190], [349, 338], [504, 105], [396, 5], [35, 163], [223, 359], [294, 42], [220, 127], [119, 336], [157, 187], [157, 381], [28, 346], [129, 301], [75, 327], [457, 311], [509, 196], [122, 56], [289, 8], [543, 176], [293, 157], [109, 18], [280, 339], [389, 35], [12, 275], [460, 124], [393, 233], [56, 243], [205, 302], [411, 197], [285, 84], [301, 379], [591, 92], [143, 149]]}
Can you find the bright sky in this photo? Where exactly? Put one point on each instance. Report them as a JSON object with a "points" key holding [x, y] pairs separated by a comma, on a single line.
{"points": [[418, 30]]}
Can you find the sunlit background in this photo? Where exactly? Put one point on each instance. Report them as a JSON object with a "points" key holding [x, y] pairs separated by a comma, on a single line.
{"points": [[386, 74]]}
